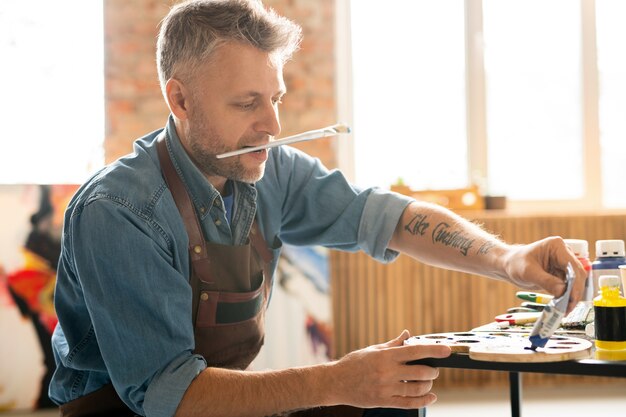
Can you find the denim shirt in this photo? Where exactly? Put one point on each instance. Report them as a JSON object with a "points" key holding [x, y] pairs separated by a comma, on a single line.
{"points": [[123, 297]]}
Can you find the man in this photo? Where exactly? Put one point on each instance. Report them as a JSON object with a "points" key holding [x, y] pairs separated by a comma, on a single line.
{"points": [[161, 295]]}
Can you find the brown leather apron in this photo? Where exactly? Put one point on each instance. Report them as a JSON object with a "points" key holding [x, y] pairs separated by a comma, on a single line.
{"points": [[230, 287]]}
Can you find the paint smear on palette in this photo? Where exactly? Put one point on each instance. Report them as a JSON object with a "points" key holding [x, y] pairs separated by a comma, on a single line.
{"points": [[507, 347]]}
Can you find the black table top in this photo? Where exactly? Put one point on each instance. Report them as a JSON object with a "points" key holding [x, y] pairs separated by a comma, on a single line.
{"points": [[590, 367]]}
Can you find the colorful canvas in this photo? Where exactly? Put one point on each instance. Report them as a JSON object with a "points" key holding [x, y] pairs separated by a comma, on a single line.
{"points": [[31, 220]]}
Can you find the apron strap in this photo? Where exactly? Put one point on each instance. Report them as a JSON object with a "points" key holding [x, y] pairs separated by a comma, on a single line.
{"points": [[197, 245]]}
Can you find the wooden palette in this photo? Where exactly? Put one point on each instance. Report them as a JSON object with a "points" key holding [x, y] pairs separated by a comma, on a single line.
{"points": [[507, 347]]}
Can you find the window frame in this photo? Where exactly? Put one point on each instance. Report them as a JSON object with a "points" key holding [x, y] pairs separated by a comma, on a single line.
{"points": [[476, 106]]}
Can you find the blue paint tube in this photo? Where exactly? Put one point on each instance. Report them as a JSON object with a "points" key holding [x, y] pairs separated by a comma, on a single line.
{"points": [[552, 314]]}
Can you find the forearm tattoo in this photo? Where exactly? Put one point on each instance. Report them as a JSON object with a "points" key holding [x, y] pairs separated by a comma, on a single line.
{"points": [[453, 238], [417, 225], [444, 234], [485, 248]]}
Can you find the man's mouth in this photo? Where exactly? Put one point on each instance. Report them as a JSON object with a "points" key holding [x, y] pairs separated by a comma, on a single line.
{"points": [[260, 150], [257, 151]]}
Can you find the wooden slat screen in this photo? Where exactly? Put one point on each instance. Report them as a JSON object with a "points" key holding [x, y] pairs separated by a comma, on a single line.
{"points": [[373, 303]]}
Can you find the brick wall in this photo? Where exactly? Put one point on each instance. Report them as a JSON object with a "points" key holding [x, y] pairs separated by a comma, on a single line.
{"points": [[135, 106]]}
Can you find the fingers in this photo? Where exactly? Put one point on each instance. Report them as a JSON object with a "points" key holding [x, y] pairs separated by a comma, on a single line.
{"points": [[398, 341], [578, 288], [551, 283], [417, 373], [544, 264], [410, 403], [379, 376], [405, 372], [413, 388], [560, 256], [415, 352], [410, 394]]}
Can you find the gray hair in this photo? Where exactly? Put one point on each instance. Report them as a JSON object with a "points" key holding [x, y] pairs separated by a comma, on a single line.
{"points": [[192, 30]]}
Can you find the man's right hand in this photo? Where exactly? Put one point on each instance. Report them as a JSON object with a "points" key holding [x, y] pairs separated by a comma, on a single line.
{"points": [[378, 376]]}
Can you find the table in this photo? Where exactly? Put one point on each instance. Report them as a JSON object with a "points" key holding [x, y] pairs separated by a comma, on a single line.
{"points": [[588, 367]]}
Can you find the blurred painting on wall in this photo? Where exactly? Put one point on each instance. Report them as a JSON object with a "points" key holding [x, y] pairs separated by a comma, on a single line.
{"points": [[298, 322], [31, 218]]}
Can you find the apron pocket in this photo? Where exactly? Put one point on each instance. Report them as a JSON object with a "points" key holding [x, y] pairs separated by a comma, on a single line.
{"points": [[218, 308]]}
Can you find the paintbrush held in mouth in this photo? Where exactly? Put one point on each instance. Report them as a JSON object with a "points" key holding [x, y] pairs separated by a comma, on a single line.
{"points": [[333, 130]]}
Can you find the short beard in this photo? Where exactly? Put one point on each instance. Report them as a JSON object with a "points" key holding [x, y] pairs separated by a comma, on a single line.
{"points": [[205, 144]]}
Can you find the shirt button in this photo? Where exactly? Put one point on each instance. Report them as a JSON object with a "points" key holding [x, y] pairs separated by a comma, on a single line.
{"points": [[218, 222], [202, 210], [218, 203], [204, 296]]}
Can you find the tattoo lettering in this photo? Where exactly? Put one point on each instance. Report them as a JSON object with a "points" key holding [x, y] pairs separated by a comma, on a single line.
{"points": [[442, 234], [418, 225], [485, 247]]}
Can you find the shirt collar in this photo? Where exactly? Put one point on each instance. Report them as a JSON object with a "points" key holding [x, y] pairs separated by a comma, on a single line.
{"points": [[201, 191]]}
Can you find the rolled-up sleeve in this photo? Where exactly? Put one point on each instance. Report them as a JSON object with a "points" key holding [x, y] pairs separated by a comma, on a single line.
{"points": [[379, 220], [167, 388]]}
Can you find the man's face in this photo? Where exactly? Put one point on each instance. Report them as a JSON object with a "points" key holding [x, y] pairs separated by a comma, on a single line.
{"points": [[233, 103]]}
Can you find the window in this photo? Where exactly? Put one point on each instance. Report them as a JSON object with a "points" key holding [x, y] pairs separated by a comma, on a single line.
{"points": [[610, 17], [524, 98], [52, 107], [409, 105], [533, 84]]}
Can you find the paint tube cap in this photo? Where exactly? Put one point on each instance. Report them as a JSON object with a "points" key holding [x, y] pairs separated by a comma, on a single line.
{"points": [[609, 281], [613, 247], [580, 247]]}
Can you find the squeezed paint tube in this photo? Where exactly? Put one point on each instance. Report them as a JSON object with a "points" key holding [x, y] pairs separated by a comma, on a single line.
{"points": [[552, 314]]}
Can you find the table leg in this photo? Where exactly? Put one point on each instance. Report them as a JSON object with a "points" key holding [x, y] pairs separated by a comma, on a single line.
{"points": [[515, 385]]}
